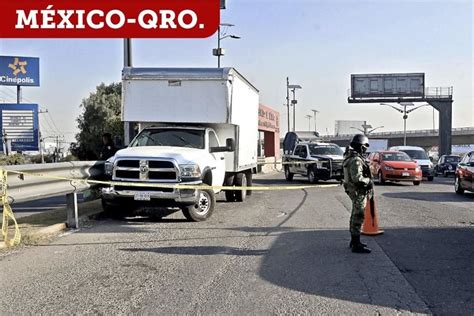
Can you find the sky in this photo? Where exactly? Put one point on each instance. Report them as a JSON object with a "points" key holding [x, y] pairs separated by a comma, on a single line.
{"points": [[317, 44]]}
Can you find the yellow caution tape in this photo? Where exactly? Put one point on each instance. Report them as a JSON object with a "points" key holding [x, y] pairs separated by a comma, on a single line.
{"points": [[177, 186], [8, 214]]}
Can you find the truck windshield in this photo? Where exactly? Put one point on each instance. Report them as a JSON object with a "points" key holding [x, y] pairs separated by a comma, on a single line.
{"points": [[191, 138], [325, 150], [416, 154]]}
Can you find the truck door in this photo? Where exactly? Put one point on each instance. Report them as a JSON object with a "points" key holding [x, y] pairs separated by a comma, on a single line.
{"points": [[218, 171]]}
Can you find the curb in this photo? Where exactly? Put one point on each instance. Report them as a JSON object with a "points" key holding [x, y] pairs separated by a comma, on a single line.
{"points": [[49, 231]]}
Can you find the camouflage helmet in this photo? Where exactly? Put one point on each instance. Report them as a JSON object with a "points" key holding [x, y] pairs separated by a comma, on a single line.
{"points": [[359, 140]]}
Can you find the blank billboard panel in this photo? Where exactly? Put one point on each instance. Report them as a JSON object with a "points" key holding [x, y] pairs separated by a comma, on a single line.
{"points": [[387, 85]]}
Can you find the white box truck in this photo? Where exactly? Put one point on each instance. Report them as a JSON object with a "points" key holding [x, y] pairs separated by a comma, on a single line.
{"points": [[196, 126]]}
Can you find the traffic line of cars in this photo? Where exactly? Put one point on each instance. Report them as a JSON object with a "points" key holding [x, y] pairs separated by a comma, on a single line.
{"points": [[317, 161]]}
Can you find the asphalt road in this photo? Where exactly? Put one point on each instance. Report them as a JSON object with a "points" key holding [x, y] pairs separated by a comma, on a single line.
{"points": [[279, 252]]}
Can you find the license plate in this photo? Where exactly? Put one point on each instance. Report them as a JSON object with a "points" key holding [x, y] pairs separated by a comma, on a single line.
{"points": [[142, 196], [405, 174]]}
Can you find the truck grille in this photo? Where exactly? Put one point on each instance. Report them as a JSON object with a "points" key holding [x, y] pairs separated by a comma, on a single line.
{"points": [[158, 170]]}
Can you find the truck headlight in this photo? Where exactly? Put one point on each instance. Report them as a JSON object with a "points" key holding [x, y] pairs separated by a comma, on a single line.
{"points": [[109, 166], [190, 171]]}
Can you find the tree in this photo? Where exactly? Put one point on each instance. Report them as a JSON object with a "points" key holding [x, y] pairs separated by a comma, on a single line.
{"points": [[101, 113]]}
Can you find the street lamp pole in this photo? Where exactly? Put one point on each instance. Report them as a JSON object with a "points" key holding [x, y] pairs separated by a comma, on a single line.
{"points": [[293, 88], [314, 112], [219, 47], [405, 112], [309, 117], [219, 51]]}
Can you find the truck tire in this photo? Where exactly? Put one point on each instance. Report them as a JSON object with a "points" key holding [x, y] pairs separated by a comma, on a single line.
{"points": [[203, 209], [113, 210], [288, 174], [249, 182], [229, 194], [312, 175], [240, 179]]}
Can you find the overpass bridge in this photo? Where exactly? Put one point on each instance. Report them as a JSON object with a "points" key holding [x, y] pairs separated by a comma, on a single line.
{"points": [[423, 138]]}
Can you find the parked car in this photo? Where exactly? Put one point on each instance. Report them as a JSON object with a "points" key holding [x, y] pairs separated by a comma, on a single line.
{"points": [[421, 157], [394, 166], [447, 165], [464, 177]]}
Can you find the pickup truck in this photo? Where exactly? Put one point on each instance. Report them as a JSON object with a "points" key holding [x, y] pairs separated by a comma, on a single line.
{"points": [[197, 126], [313, 159]]}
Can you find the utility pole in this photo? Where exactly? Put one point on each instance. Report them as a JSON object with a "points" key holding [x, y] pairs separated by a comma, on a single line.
{"points": [[294, 110], [288, 101]]}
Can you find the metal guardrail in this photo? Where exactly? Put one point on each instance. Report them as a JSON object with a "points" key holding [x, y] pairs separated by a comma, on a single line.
{"points": [[24, 187]]}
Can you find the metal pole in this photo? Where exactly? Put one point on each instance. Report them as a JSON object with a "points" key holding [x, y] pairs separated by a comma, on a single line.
{"points": [[288, 101], [41, 147], [219, 47], [315, 129], [405, 125], [18, 94], [294, 111], [127, 52]]}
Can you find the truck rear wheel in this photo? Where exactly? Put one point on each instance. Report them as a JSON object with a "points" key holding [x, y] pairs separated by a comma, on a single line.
{"points": [[203, 209], [249, 182], [240, 180], [229, 194]]}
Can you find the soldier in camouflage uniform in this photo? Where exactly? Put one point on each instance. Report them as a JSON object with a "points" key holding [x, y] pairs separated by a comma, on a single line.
{"points": [[357, 184]]}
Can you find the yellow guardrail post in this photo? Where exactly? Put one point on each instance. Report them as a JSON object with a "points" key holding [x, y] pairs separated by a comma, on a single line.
{"points": [[8, 213]]}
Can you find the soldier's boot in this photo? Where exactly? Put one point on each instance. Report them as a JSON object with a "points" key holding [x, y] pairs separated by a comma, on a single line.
{"points": [[351, 243], [359, 247]]}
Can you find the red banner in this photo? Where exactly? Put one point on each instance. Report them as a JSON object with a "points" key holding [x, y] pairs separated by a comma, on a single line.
{"points": [[109, 18]]}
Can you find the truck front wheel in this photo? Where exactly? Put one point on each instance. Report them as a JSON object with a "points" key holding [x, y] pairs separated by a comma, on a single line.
{"points": [[229, 194], [203, 209]]}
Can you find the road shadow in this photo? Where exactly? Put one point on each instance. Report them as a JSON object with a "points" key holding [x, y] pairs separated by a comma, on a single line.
{"points": [[431, 196], [200, 251], [437, 263]]}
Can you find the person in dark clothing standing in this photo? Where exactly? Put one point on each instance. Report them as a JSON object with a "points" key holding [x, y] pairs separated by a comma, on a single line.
{"points": [[108, 149]]}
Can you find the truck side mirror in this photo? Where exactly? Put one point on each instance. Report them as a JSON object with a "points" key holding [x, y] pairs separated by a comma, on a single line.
{"points": [[229, 146]]}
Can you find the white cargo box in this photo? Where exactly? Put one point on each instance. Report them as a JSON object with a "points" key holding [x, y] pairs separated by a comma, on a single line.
{"points": [[216, 97]]}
